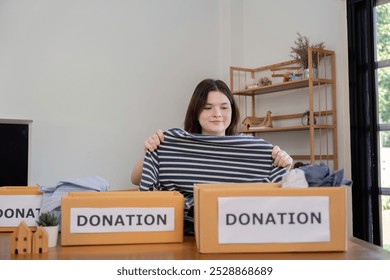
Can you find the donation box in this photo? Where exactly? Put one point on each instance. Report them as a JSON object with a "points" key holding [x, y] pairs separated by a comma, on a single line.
{"points": [[121, 217], [262, 217], [19, 204]]}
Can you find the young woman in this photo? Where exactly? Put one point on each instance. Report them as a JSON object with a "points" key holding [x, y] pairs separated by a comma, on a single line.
{"points": [[208, 150], [213, 111]]}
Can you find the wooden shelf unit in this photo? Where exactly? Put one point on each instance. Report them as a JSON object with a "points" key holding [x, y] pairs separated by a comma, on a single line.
{"points": [[279, 87], [319, 89]]}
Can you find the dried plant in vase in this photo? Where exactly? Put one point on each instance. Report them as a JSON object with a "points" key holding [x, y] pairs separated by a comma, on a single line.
{"points": [[300, 51]]}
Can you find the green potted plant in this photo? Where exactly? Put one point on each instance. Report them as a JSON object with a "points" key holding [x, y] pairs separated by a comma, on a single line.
{"points": [[300, 53], [49, 222]]}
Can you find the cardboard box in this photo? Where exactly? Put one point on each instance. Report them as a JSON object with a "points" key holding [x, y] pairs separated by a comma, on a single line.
{"points": [[19, 204], [121, 217], [267, 218]]}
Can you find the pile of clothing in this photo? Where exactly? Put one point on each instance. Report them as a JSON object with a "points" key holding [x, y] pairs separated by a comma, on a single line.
{"points": [[51, 198], [315, 175]]}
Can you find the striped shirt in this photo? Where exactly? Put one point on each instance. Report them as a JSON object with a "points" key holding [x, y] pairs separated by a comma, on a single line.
{"points": [[184, 159]]}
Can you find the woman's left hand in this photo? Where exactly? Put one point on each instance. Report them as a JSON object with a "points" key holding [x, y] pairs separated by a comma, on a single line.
{"points": [[281, 158]]}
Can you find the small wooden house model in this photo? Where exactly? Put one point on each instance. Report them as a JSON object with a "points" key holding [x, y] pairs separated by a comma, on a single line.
{"points": [[21, 239], [255, 122], [40, 241], [251, 121]]}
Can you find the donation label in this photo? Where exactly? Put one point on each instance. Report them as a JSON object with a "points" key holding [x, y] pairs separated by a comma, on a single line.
{"points": [[273, 219]]}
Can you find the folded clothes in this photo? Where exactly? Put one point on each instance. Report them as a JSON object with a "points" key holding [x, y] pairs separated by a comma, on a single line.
{"points": [[319, 175], [51, 198], [294, 178]]}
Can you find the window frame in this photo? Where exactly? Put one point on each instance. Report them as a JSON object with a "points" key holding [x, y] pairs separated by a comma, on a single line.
{"points": [[364, 126], [381, 64]]}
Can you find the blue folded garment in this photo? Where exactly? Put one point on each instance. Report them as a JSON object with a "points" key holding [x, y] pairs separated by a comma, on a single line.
{"points": [[320, 176], [51, 198]]}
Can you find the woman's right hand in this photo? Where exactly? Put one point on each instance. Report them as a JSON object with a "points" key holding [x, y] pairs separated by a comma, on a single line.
{"points": [[154, 141]]}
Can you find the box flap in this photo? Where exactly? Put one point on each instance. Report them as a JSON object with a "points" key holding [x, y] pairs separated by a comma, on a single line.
{"points": [[24, 190]]}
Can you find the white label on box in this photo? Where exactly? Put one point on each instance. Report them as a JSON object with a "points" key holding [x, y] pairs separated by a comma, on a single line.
{"points": [[15, 208], [273, 219], [98, 220]]}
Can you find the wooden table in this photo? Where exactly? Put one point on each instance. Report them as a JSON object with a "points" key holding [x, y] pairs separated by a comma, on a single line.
{"points": [[357, 250]]}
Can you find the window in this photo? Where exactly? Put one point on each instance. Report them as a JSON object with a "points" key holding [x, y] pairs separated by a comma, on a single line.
{"points": [[367, 127], [382, 66]]}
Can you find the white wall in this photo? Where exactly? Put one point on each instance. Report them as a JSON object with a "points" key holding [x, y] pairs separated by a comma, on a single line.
{"points": [[269, 31], [99, 76]]}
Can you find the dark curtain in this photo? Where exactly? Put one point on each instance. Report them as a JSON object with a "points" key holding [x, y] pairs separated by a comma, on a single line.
{"points": [[363, 117]]}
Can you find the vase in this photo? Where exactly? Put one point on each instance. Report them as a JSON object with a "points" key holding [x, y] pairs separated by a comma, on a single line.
{"points": [[52, 234], [306, 73]]}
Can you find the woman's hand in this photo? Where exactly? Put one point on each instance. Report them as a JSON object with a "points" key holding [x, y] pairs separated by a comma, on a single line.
{"points": [[154, 141], [281, 158], [150, 144]]}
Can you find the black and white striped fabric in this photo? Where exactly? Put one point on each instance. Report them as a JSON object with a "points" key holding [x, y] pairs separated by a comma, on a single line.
{"points": [[184, 159]]}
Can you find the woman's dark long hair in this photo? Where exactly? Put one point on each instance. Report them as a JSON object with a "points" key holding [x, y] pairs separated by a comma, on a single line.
{"points": [[199, 100]]}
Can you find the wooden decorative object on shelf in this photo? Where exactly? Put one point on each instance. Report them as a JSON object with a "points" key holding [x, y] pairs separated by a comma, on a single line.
{"points": [[251, 83], [251, 122], [288, 73], [258, 123], [264, 81], [267, 122]]}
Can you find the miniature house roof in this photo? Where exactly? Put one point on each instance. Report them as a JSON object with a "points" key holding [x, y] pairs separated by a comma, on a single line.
{"points": [[251, 120]]}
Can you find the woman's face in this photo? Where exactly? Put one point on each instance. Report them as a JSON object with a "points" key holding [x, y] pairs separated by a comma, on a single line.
{"points": [[216, 115]]}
